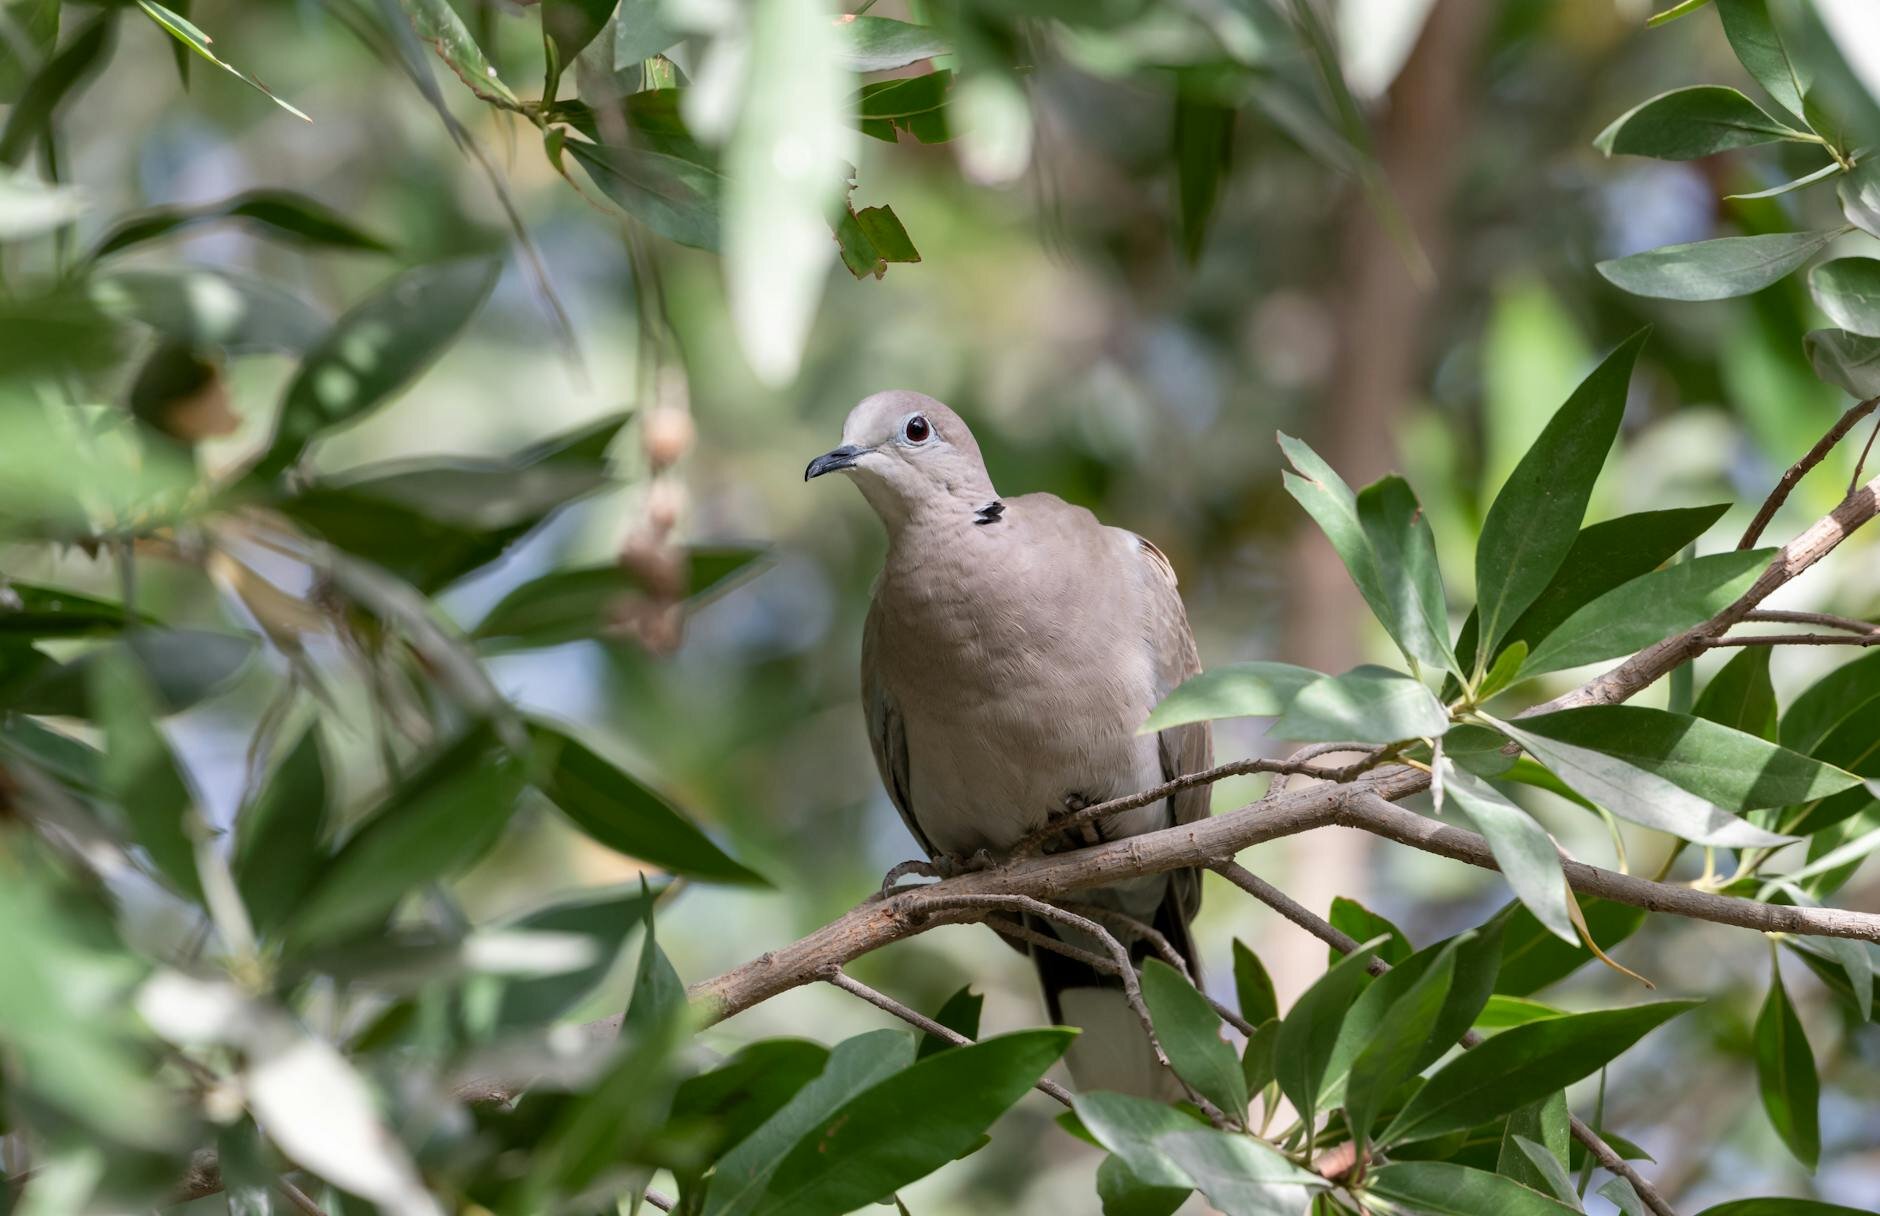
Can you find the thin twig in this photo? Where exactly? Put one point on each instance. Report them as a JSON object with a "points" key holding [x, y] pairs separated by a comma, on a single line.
{"points": [[1800, 468], [1126, 972], [1331, 935], [1794, 639], [920, 1021], [301, 1201], [1827, 620], [1860, 464], [1159, 942], [1296, 765]]}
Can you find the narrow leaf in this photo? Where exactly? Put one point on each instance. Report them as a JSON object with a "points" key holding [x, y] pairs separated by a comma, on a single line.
{"points": [[1686, 124], [1760, 48], [179, 28], [1522, 1065], [1523, 850], [1785, 1072], [1740, 696], [881, 44], [1253, 987], [1535, 518], [1403, 550], [1241, 1176], [1190, 1032], [1310, 1031], [1331, 504], [1238, 690], [1647, 609], [1443, 1188], [1365, 705], [1716, 269]]}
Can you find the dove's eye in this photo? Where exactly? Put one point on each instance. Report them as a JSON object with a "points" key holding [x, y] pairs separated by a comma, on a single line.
{"points": [[918, 430]]}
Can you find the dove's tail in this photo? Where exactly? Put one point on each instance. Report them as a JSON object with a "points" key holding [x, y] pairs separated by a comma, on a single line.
{"points": [[1113, 1052]]}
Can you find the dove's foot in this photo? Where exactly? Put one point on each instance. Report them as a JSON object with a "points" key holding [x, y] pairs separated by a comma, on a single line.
{"points": [[945, 865]]}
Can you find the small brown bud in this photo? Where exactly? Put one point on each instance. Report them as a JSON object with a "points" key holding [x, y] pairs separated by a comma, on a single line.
{"points": [[668, 434]]}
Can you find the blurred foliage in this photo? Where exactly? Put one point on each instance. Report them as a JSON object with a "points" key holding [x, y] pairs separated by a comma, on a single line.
{"points": [[348, 704]]}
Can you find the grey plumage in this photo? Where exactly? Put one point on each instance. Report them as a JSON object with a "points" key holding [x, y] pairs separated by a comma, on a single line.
{"points": [[1012, 650]]}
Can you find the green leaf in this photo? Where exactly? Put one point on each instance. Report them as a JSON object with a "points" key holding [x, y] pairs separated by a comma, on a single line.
{"points": [[1532, 957], [1253, 987], [751, 1085], [640, 32], [280, 838], [915, 104], [1848, 361], [1666, 17], [1716, 269], [1476, 953], [602, 919], [1829, 702], [1392, 1055], [1740, 696], [1477, 749], [871, 238], [62, 74], [203, 308], [434, 824], [677, 198], [1503, 671], [1403, 552], [1124, 1194], [1256, 1061], [576, 604], [1367, 704], [960, 1014], [1310, 1031], [29, 610], [658, 993], [1785, 1072], [1443, 1188], [439, 26], [1535, 518], [881, 44], [1807, 179], [1523, 850], [1359, 923], [1202, 145], [571, 24], [1859, 193], [1241, 1176], [1735, 770], [618, 811], [1623, 1197], [35, 31], [1760, 48], [376, 350], [139, 772], [1133, 1128], [1686, 124], [1239, 690], [1331, 504], [179, 28], [1546, 1123], [1553, 1174], [1848, 290], [281, 213], [855, 1066], [1603, 556], [1523, 1065], [1588, 764], [592, 1132], [1648, 609], [1190, 1032], [909, 1125]]}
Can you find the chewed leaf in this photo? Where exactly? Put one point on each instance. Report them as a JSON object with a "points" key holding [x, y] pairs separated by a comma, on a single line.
{"points": [[180, 29]]}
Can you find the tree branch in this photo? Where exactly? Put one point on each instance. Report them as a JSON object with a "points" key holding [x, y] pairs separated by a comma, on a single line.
{"points": [[1800, 468], [1343, 942]]}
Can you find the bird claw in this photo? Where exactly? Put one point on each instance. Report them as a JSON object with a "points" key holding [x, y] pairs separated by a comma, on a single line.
{"points": [[942, 866]]}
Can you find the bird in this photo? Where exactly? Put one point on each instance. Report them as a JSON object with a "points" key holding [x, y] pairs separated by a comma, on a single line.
{"points": [[1013, 649]]}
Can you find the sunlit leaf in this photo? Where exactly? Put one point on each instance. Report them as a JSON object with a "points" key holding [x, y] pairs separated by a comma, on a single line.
{"points": [[1523, 850], [879, 44], [1365, 705], [1256, 689], [1535, 518], [375, 351], [180, 28], [438, 24]]}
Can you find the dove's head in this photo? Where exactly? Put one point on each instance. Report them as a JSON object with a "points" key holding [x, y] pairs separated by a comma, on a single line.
{"points": [[909, 454]]}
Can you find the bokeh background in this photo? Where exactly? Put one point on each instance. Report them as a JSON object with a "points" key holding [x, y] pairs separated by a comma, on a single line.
{"points": [[1060, 314]]}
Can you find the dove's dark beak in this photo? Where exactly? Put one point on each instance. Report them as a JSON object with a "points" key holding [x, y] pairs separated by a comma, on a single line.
{"points": [[843, 457]]}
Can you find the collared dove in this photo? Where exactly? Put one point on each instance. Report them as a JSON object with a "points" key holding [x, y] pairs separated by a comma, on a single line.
{"points": [[1013, 649]]}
